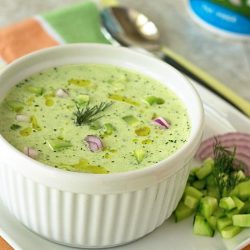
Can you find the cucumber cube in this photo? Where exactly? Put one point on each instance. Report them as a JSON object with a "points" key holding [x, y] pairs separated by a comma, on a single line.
{"points": [[199, 184], [193, 192], [182, 211], [212, 221], [239, 203], [202, 227], [210, 181], [206, 169], [207, 206], [190, 201], [241, 220], [227, 203], [230, 231], [242, 190], [213, 191], [224, 222], [232, 212], [246, 208]]}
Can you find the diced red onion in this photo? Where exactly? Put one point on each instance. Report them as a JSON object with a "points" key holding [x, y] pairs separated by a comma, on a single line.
{"points": [[62, 93], [22, 118], [31, 152], [94, 143], [241, 141], [161, 122]]}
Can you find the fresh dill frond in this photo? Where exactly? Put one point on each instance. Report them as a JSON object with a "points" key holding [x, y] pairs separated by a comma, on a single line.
{"points": [[88, 114], [225, 169]]}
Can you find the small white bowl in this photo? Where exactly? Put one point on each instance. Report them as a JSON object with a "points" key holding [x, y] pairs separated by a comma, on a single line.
{"points": [[93, 210]]}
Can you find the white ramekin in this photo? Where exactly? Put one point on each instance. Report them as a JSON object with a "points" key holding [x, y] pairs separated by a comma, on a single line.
{"points": [[93, 210]]}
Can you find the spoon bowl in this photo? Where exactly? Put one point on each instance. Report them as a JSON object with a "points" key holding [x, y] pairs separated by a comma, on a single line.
{"points": [[130, 28]]}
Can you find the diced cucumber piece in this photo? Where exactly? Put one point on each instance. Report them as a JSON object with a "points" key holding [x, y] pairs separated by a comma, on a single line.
{"points": [[34, 123], [212, 221], [202, 227], [239, 203], [241, 220], [57, 144], [192, 177], [207, 206], [210, 181], [206, 169], [213, 191], [131, 120], [95, 125], [246, 208], [193, 192], [199, 184], [204, 191], [223, 222], [219, 212], [227, 203], [35, 90], [154, 100], [82, 99], [182, 211], [15, 106], [139, 155], [109, 129], [232, 212], [242, 190], [230, 231], [190, 201]]}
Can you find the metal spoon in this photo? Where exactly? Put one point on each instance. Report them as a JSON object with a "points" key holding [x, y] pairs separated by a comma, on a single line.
{"points": [[130, 28]]}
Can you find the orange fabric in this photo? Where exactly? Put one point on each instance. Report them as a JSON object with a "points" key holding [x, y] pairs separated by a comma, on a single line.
{"points": [[31, 37], [4, 245]]}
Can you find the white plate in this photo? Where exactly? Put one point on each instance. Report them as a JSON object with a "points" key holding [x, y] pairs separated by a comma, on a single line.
{"points": [[220, 118]]}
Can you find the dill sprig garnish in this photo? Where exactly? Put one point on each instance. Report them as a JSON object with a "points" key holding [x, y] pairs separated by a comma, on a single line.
{"points": [[87, 114], [225, 169]]}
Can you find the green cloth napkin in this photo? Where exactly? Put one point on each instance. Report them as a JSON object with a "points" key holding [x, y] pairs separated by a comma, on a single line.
{"points": [[77, 23]]}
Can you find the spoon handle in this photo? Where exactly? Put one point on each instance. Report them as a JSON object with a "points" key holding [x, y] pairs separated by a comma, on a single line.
{"points": [[205, 79]]}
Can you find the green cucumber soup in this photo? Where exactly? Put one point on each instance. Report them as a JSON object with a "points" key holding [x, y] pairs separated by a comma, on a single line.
{"points": [[94, 118]]}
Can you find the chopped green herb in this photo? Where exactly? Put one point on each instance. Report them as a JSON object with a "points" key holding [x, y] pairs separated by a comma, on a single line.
{"points": [[224, 171], [15, 127]]}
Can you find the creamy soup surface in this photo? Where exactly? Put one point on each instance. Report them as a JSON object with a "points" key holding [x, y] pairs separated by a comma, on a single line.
{"points": [[94, 119]]}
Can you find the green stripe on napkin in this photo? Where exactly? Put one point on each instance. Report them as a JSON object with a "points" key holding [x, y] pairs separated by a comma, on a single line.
{"points": [[77, 23]]}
